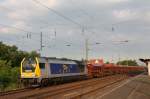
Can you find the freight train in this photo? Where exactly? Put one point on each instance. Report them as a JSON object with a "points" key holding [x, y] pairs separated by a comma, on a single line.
{"points": [[45, 70]]}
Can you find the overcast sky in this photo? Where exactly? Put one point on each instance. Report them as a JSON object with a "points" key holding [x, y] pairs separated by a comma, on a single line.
{"points": [[105, 21]]}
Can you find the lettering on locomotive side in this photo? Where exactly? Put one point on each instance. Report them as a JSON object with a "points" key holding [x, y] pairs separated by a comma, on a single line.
{"points": [[65, 68]]}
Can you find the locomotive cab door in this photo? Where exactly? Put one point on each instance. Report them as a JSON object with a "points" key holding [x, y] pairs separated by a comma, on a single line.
{"points": [[44, 70]]}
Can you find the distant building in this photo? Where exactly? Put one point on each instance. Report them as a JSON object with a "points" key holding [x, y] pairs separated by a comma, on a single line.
{"points": [[147, 62]]}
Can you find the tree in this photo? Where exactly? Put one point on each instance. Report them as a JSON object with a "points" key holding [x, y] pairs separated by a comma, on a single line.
{"points": [[107, 62], [128, 63], [13, 55], [33, 54]]}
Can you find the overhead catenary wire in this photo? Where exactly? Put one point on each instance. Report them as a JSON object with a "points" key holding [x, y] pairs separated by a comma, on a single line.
{"points": [[82, 10], [58, 13], [23, 19], [4, 25], [45, 24], [64, 17], [61, 15], [27, 33]]}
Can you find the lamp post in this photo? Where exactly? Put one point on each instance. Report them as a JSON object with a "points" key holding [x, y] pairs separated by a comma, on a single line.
{"points": [[122, 42], [87, 52], [87, 48]]}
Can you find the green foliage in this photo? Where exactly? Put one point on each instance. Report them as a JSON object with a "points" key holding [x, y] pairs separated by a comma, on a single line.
{"points": [[135, 72], [8, 75], [107, 62], [10, 59], [128, 63], [33, 54], [15, 74], [5, 74], [13, 55]]}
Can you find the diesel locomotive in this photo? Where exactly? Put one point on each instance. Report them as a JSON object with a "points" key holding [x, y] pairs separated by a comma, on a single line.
{"points": [[45, 70]]}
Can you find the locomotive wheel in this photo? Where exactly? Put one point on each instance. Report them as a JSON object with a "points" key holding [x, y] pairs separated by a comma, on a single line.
{"points": [[26, 83], [44, 82]]}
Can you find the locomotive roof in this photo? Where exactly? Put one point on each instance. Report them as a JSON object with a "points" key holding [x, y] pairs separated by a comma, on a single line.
{"points": [[54, 59]]}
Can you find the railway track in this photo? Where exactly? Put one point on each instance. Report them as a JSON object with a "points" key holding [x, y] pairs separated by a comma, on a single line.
{"points": [[14, 91], [56, 91], [78, 87], [95, 89]]}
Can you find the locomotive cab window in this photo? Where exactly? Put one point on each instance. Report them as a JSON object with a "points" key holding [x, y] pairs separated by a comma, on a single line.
{"points": [[29, 65], [42, 65]]}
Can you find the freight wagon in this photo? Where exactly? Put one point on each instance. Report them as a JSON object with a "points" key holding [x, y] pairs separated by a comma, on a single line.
{"points": [[101, 70]]}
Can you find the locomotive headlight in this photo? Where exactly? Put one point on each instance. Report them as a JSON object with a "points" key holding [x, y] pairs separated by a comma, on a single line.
{"points": [[33, 75], [22, 75]]}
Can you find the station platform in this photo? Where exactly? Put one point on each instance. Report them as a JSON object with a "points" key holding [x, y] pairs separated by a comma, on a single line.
{"points": [[134, 88]]}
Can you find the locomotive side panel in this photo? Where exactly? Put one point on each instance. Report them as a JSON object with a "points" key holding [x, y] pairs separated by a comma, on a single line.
{"points": [[64, 68], [61, 70]]}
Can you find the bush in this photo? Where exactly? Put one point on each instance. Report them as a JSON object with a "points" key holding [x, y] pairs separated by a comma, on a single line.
{"points": [[128, 62], [8, 75], [5, 73]]}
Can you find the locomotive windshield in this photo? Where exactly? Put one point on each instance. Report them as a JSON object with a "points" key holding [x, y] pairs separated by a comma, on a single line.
{"points": [[29, 65]]}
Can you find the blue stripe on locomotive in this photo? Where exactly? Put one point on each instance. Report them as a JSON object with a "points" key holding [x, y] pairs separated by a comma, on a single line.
{"points": [[64, 68]]}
